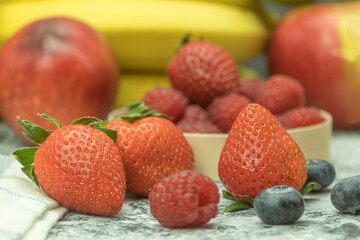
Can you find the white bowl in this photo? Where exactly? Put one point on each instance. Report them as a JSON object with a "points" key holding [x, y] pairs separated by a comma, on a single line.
{"points": [[313, 140]]}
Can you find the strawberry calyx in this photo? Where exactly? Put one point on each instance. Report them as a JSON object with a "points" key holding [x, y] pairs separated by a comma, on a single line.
{"points": [[139, 110], [25, 156], [33, 132], [37, 134], [183, 41], [237, 205]]}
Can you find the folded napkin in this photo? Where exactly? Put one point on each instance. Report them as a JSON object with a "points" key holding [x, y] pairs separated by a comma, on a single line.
{"points": [[25, 211]]}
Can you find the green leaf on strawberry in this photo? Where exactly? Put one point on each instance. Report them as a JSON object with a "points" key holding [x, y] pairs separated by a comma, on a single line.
{"points": [[111, 133], [85, 121], [238, 205], [51, 119], [30, 173], [139, 110], [25, 156], [33, 132]]}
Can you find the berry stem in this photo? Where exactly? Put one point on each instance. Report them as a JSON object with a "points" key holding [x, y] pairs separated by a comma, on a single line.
{"points": [[311, 186]]}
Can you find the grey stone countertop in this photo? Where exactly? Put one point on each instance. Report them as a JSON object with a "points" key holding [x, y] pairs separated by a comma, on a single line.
{"points": [[319, 221]]}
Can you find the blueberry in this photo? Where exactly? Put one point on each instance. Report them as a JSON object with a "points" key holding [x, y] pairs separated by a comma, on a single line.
{"points": [[345, 196], [320, 171], [279, 205]]}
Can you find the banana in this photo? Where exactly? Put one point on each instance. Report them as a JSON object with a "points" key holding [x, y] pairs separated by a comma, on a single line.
{"points": [[292, 1], [251, 4], [133, 86], [144, 34]]}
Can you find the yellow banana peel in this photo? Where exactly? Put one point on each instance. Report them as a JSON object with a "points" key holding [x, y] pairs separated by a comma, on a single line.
{"points": [[144, 34], [251, 4], [133, 86]]}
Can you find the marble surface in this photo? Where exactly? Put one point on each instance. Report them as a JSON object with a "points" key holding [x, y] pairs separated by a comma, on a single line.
{"points": [[320, 220]]}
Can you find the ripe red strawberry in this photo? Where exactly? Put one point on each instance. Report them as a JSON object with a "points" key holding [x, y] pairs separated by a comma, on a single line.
{"points": [[300, 117], [281, 93], [185, 199], [201, 126], [202, 71], [259, 154], [169, 101], [77, 165], [249, 87], [152, 148], [194, 112], [224, 110]]}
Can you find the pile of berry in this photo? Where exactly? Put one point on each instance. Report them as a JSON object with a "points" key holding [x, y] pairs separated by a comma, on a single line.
{"points": [[208, 95], [88, 165]]}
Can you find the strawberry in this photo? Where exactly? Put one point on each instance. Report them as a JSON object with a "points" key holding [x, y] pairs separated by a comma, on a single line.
{"points": [[281, 93], [224, 110], [77, 165], [300, 117], [152, 148], [169, 101], [259, 154], [202, 71]]}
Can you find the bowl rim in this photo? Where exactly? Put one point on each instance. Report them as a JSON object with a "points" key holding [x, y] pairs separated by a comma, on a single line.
{"points": [[326, 115], [327, 121]]}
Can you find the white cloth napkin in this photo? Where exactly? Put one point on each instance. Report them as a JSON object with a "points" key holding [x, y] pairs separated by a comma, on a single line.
{"points": [[25, 211]]}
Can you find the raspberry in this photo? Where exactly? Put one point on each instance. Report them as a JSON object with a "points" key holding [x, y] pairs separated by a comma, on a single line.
{"points": [[224, 110], [281, 93], [168, 101], [200, 126], [300, 117], [249, 87], [195, 113], [185, 199]]}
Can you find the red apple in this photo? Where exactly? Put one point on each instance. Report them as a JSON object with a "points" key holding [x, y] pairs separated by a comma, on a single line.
{"points": [[319, 45], [58, 66]]}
